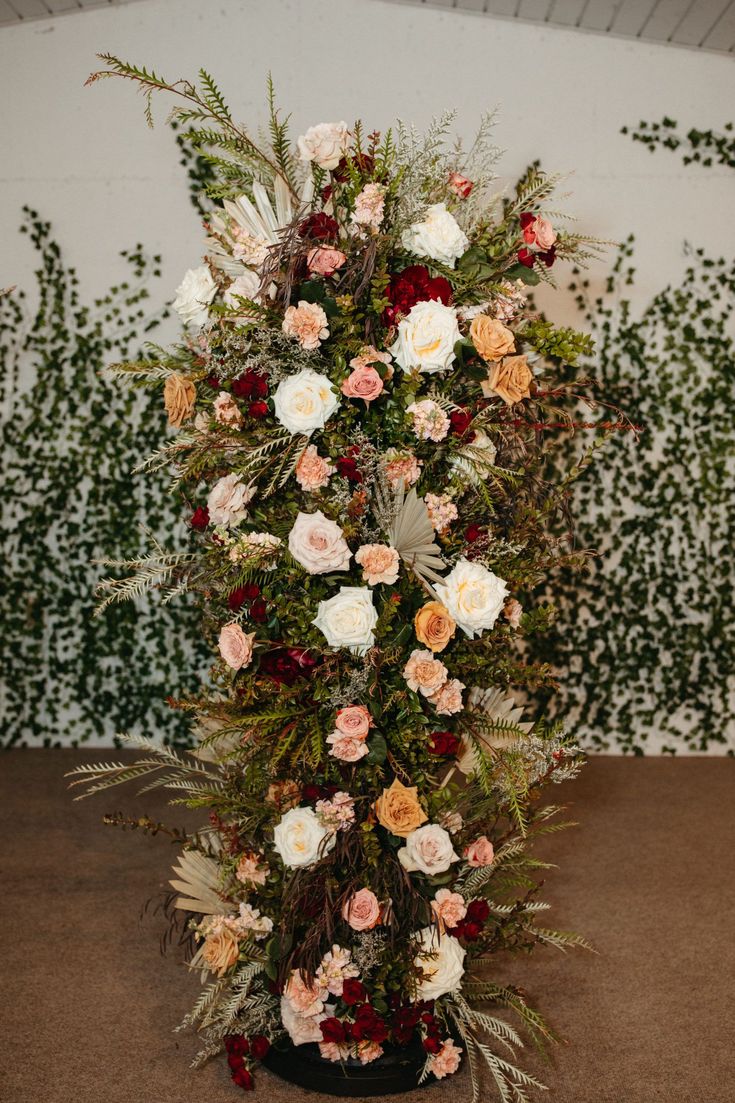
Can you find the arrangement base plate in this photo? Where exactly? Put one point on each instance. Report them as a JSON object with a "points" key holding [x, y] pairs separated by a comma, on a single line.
{"points": [[398, 1070]]}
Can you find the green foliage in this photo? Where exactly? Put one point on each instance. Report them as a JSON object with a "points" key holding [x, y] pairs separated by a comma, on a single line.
{"points": [[704, 147], [70, 440]]}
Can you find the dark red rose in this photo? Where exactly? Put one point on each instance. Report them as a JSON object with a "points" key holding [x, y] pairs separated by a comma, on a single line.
{"points": [[319, 227], [236, 598], [244, 1079], [526, 219], [432, 1044], [200, 518], [363, 162], [237, 1044], [459, 421], [473, 532], [549, 256], [525, 256], [258, 409], [285, 664], [444, 743], [251, 590], [235, 1061], [353, 991], [259, 1046], [404, 1023], [332, 1030], [368, 1024], [428, 1018], [414, 285], [478, 911], [259, 611], [250, 385], [468, 930], [213, 381], [348, 469]]}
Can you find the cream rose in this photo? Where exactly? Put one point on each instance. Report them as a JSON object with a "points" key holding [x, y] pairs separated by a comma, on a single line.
{"points": [[228, 501], [426, 338], [441, 960], [325, 144], [348, 619], [473, 596], [428, 849], [305, 402], [362, 910], [438, 236], [318, 544], [300, 839], [423, 673], [193, 296], [300, 1028], [236, 646]]}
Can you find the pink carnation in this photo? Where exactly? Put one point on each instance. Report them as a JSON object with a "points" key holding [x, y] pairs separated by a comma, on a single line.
{"points": [[235, 646], [345, 748], [480, 852], [448, 699], [446, 1061], [369, 205], [248, 870], [324, 261], [429, 420], [379, 563], [307, 322], [449, 907], [354, 721], [304, 999], [362, 910], [312, 470]]}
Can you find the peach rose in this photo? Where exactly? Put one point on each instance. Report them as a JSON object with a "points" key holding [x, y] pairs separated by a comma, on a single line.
{"points": [[179, 395], [221, 947], [364, 383], [398, 809], [491, 338], [448, 907], [346, 748], [479, 853], [362, 910], [236, 646], [312, 470], [227, 411], [324, 261], [434, 626], [424, 673], [307, 322], [354, 721], [448, 698], [379, 563], [511, 379], [446, 1061]]}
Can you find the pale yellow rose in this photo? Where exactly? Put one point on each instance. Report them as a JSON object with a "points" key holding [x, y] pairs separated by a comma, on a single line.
{"points": [[179, 395], [398, 809], [491, 338]]}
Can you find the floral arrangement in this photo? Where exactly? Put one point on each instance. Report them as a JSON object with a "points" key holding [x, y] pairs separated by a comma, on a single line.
{"points": [[364, 401]]}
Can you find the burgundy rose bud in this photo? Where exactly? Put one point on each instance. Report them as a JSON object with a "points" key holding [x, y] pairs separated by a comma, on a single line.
{"points": [[353, 991], [213, 381], [244, 1079], [259, 1046], [250, 591], [349, 470], [259, 611], [525, 256], [258, 409], [250, 385], [332, 1030], [236, 598], [549, 256], [471, 931], [432, 1045], [444, 743], [427, 1018], [363, 162], [235, 1061], [200, 518], [311, 793], [237, 1043], [478, 911], [473, 532], [319, 227], [459, 421]]}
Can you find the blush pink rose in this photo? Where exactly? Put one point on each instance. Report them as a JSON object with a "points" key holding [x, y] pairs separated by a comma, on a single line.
{"points": [[354, 721], [363, 382], [449, 907], [480, 852], [236, 646], [540, 232], [345, 748], [324, 261], [362, 910], [446, 1061]]}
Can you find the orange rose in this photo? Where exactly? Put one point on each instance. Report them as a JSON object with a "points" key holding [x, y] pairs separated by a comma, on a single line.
{"points": [[511, 379], [398, 809], [179, 395], [434, 626], [491, 338]]}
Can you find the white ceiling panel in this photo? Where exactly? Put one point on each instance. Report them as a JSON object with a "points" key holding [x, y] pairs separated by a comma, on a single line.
{"points": [[567, 12], [722, 35], [699, 21]]}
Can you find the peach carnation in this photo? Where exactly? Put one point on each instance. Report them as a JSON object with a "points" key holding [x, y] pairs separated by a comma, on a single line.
{"points": [[345, 748], [379, 563], [448, 699], [449, 907], [227, 411], [424, 673], [312, 470], [236, 646], [250, 871], [304, 998], [446, 1061], [362, 910], [307, 322], [401, 468], [512, 611]]}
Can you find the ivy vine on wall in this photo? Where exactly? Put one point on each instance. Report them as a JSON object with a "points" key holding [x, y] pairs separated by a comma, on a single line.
{"points": [[69, 442]]}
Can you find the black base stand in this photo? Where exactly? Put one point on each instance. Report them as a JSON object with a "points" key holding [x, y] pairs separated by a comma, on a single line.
{"points": [[398, 1070]]}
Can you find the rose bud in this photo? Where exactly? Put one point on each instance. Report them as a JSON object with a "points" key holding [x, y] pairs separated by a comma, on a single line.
{"points": [[236, 598], [258, 409], [259, 1046], [200, 518]]}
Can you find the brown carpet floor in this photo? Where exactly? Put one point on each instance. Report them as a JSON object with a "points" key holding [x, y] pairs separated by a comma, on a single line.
{"points": [[89, 1004]]}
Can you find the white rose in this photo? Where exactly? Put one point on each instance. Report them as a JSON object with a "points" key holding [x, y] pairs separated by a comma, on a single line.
{"points": [[441, 958], [243, 287], [438, 236], [300, 1028], [318, 544], [300, 839], [474, 460], [473, 596], [325, 143], [426, 337], [348, 619], [193, 296], [305, 402], [428, 849], [228, 501]]}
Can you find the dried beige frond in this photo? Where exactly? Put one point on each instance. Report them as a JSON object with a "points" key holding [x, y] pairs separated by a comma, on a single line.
{"points": [[199, 882], [406, 521]]}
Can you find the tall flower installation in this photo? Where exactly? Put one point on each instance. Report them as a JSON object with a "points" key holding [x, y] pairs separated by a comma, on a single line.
{"points": [[364, 403]]}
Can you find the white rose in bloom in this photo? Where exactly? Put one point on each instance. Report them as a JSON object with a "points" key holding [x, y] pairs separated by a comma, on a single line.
{"points": [[318, 544], [300, 1028], [441, 959], [243, 287], [428, 849], [473, 596], [305, 402], [438, 236], [193, 296], [348, 619], [228, 501], [426, 337], [325, 143], [298, 838]]}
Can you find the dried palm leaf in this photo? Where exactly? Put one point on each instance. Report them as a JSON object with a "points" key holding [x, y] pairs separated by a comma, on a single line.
{"points": [[198, 880], [406, 520], [497, 709]]}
